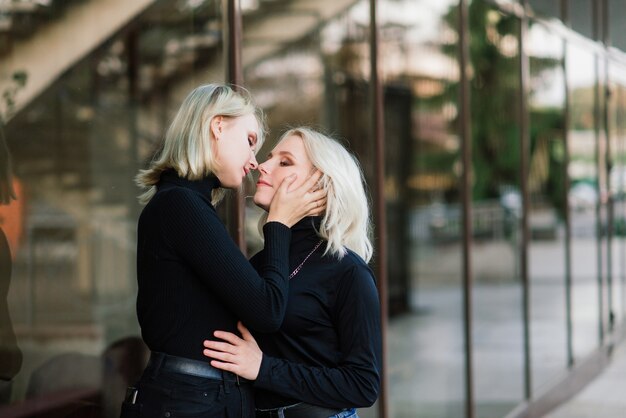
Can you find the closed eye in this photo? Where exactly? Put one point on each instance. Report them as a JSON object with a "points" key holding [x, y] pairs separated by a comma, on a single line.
{"points": [[252, 140]]}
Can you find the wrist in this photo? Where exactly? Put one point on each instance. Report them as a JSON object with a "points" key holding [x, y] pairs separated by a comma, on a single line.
{"points": [[258, 367], [264, 375], [271, 218]]}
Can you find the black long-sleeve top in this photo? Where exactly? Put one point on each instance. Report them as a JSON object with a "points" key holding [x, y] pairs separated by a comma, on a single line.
{"points": [[328, 349], [193, 279]]}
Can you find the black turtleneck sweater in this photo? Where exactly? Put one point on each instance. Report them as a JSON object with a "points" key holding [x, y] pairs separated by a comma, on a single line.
{"points": [[328, 349], [192, 277]]}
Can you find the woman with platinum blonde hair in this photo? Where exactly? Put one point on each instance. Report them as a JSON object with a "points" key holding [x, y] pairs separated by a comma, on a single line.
{"points": [[192, 277], [325, 359]]}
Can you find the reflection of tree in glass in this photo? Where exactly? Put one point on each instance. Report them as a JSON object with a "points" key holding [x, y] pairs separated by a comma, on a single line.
{"points": [[10, 354], [494, 102], [547, 128], [6, 110]]}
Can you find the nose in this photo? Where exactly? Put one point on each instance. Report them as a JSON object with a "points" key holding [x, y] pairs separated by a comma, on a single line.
{"points": [[253, 162], [263, 168]]}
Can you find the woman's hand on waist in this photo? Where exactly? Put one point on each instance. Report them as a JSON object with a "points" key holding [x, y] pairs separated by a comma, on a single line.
{"points": [[241, 356]]}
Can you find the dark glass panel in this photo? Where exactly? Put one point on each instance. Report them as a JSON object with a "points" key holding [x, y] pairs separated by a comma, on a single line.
{"points": [[617, 22], [581, 15], [546, 8]]}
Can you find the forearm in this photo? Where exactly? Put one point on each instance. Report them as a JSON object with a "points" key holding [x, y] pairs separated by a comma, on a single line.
{"points": [[197, 235], [345, 386]]}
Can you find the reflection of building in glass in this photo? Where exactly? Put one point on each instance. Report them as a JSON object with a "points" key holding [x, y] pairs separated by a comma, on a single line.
{"points": [[546, 123]]}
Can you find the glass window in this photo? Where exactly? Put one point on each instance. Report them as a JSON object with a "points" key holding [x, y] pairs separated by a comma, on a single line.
{"points": [[309, 64], [88, 116], [419, 65], [548, 205], [583, 197], [546, 8], [310, 72], [605, 273], [498, 333], [617, 178], [581, 14], [617, 17]]}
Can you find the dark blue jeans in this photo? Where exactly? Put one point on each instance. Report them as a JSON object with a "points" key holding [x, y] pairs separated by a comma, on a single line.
{"points": [[171, 395]]}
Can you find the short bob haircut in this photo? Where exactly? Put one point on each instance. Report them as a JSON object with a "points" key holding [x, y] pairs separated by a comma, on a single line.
{"points": [[188, 147], [346, 222]]}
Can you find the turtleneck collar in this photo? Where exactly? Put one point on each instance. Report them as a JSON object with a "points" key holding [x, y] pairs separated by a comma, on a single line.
{"points": [[203, 186], [306, 228]]}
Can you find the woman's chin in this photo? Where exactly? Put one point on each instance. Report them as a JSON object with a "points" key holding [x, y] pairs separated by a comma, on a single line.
{"points": [[262, 203]]}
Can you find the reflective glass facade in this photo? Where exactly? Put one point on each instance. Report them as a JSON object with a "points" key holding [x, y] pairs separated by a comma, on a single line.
{"points": [[502, 275], [548, 206], [420, 77]]}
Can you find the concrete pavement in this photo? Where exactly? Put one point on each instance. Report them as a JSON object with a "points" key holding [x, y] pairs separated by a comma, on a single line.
{"points": [[604, 397]]}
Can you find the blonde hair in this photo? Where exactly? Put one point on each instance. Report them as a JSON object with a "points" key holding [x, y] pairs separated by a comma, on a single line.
{"points": [[346, 222], [187, 147]]}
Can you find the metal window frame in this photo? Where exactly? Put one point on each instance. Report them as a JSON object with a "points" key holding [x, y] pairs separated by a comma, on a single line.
{"points": [[465, 133], [232, 18], [380, 216]]}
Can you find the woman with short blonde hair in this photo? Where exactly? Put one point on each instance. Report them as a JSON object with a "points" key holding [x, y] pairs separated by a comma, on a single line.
{"points": [[184, 150], [192, 278]]}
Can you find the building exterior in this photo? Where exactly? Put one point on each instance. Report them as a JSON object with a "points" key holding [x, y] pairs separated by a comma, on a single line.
{"points": [[493, 138]]}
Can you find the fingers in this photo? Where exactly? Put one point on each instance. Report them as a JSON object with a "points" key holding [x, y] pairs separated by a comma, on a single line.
{"points": [[245, 333], [309, 186], [312, 180], [315, 212], [317, 207], [321, 203], [219, 355], [317, 195], [287, 182], [229, 367], [227, 336], [314, 177], [220, 346]]}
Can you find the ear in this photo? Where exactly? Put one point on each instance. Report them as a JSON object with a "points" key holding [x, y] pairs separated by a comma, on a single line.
{"points": [[216, 126]]}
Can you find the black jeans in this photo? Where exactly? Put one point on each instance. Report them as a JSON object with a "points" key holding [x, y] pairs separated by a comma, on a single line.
{"points": [[167, 394]]}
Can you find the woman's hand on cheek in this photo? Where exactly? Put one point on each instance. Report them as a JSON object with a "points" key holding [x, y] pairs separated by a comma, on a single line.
{"points": [[288, 207], [241, 356]]}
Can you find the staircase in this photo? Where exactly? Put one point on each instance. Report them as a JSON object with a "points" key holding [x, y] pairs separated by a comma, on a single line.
{"points": [[44, 38]]}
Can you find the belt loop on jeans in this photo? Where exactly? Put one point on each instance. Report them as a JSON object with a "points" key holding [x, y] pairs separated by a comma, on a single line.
{"points": [[226, 387]]}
